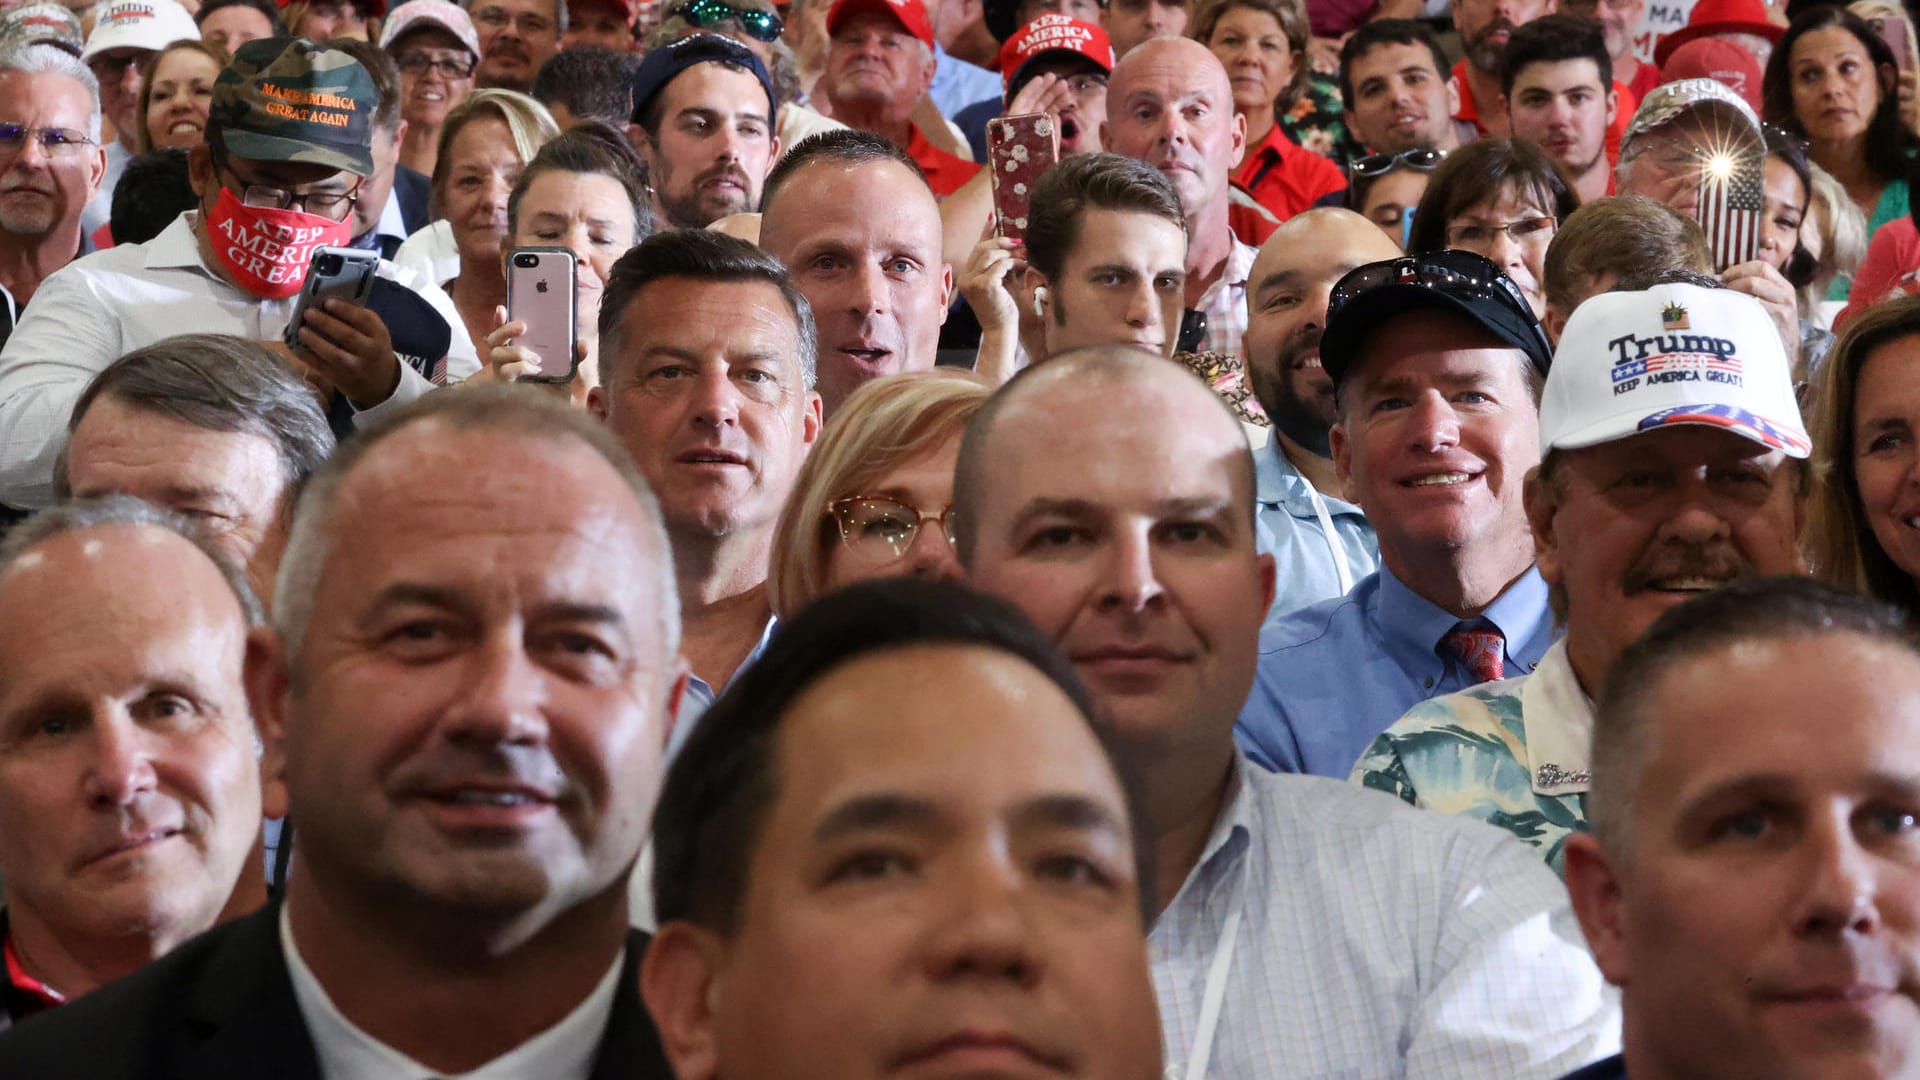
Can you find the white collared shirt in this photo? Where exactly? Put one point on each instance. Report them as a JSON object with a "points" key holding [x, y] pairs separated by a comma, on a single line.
{"points": [[1376, 942], [564, 1051], [102, 306]]}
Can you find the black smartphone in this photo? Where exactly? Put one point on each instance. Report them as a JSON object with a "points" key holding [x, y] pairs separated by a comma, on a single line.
{"points": [[540, 294], [1193, 330], [346, 273]]}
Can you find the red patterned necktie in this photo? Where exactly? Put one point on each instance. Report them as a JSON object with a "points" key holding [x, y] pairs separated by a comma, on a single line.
{"points": [[1481, 649]]}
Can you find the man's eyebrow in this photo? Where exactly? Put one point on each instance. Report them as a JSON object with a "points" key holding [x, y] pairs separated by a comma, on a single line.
{"points": [[876, 810], [1069, 812]]}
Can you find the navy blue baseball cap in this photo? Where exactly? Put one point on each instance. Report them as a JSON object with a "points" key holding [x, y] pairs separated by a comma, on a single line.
{"points": [[664, 64], [1370, 296]]}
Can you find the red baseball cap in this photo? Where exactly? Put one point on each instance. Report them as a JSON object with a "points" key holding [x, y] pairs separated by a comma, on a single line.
{"points": [[911, 14], [1049, 34], [1722, 61], [1719, 17]]}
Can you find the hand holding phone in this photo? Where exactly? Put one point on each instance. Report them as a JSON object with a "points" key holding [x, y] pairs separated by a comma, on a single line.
{"points": [[337, 273], [1019, 149], [540, 294]]}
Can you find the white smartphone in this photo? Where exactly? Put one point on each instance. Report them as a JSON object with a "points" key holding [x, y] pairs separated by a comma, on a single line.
{"points": [[347, 273], [540, 294]]}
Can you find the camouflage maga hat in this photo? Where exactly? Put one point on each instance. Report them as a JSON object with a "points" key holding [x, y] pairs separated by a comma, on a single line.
{"points": [[287, 99]]}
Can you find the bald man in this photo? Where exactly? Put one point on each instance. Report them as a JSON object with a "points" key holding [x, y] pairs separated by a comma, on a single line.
{"points": [[1158, 600], [1170, 105], [1321, 542]]}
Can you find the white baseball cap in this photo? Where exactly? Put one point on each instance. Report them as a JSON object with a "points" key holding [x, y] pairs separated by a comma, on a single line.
{"points": [[1630, 362], [140, 24]]}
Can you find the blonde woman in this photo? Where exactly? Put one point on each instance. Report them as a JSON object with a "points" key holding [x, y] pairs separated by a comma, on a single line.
{"points": [[484, 146], [874, 497], [1866, 456]]}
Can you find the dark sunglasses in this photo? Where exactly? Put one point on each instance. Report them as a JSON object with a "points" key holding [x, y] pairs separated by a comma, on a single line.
{"points": [[1458, 274], [759, 25], [1419, 159]]}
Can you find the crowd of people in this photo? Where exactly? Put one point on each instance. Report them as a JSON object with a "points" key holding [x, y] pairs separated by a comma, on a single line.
{"points": [[1171, 538]]}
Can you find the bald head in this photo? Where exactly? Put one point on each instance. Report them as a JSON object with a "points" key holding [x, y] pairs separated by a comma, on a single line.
{"points": [[1036, 400], [1170, 104], [1287, 308]]}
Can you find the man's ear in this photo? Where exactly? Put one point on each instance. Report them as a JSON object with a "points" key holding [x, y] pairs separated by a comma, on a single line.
{"points": [[1594, 886], [268, 688], [1342, 460], [1541, 506], [597, 403], [680, 983], [200, 172]]}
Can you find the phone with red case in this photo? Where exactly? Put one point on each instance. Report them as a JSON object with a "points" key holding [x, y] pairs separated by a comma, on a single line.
{"points": [[540, 294], [1019, 149]]}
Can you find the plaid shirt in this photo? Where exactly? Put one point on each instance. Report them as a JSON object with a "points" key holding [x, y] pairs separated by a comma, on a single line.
{"points": [[1377, 942], [1226, 302]]}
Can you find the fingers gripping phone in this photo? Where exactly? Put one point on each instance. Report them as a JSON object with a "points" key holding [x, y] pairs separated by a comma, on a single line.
{"points": [[540, 294], [1019, 148], [346, 273]]}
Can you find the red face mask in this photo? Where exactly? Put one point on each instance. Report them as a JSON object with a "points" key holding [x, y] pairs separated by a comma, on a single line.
{"points": [[265, 251]]}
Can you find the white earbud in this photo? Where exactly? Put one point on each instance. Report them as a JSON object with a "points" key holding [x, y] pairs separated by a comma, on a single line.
{"points": [[1039, 301]]}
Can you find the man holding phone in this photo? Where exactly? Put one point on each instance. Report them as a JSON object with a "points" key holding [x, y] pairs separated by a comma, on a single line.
{"points": [[287, 148]]}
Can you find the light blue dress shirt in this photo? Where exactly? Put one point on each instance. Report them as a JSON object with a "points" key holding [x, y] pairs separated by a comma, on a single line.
{"points": [[700, 694], [958, 84], [1376, 942], [1303, 560], [1335, 675]]}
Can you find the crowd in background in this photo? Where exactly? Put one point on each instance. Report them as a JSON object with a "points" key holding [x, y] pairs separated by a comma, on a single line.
{"points": [[1158, 538]]}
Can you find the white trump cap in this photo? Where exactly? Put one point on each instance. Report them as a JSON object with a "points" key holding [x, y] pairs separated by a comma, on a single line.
{"points": [[1675, 354]]}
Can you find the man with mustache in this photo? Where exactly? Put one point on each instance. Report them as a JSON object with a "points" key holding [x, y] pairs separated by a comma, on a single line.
{"points": [[1171, 106], [1673, 462], [1321, 543], [130, 799], [1750, 883], [44, 187], [703, 118], [1484, 27], [1285, 908], [1436, 362], [464, 699], [516, 37], [706, 375]]}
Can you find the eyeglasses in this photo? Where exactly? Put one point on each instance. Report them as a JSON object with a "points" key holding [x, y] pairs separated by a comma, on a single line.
{"points": [[879, 529], [1524, 231], [55, 142], [113, 67], [1086, 83], [332, 205], [1419, 159], [759, 25], [498, 18], [449, 65], [1458, 274]]}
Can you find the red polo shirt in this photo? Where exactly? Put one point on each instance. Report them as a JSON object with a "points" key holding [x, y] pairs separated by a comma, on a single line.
{"points": [[1284, 177], [945, 172], [1627, 102]]}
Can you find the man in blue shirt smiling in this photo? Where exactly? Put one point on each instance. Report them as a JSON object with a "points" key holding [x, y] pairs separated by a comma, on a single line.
{"points": [[1437, 364]]}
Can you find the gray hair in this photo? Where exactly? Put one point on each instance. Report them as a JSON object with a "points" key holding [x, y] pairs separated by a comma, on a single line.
{"points": [[81, 515], [216, 382], [41, 58], [507, 411], [1748, 610]]}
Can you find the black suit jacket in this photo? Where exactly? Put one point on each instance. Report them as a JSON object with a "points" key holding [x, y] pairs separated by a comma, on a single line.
{"points": [[413, 189], [222, 1006]]}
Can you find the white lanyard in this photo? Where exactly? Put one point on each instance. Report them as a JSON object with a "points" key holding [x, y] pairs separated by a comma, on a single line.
{"points": [[1341, 572], [1215, 996]]}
